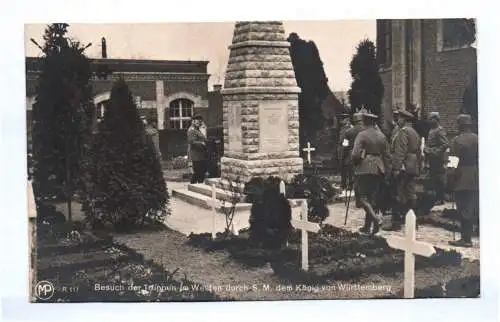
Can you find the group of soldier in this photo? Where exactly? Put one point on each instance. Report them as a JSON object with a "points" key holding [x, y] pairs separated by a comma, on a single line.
{"points": [[376, 164]]}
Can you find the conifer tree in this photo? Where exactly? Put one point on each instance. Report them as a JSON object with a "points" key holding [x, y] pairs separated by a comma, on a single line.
{"points": [[367, 89], [312, 80], [125, 179], [61, 113]]}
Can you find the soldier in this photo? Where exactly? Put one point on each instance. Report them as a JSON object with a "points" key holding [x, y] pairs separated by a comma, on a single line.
{"points": [[153, 133], [343, 152], [435, 154], [370, 157], [405, 146], [348, 143], [197, 143], [466, 179]]}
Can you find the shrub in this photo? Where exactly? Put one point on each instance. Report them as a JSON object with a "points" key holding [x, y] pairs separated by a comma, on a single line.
{"points": [[318, 191], [124, 179], [270, 214]]}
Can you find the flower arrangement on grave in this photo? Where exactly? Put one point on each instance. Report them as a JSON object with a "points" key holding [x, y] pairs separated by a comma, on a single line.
{"points": [[318, 191], [179, 162], [270, 214]]}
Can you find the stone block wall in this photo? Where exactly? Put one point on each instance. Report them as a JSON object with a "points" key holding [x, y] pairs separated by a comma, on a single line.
{"points": [[250, 162]]}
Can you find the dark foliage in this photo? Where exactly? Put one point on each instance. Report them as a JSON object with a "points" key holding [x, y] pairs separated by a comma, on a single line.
{"points": [[61, 113], [318, 191], [312, 80], [125, 183], [367, 89], [270, 213]]}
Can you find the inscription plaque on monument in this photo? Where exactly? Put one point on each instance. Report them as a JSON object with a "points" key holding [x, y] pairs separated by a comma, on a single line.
{"points": [[273, 126], [234, 128]]}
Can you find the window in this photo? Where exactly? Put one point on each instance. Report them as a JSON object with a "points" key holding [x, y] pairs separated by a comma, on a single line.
{"points": [[180, 113], [456, 33], [101, 107], [384, 46]]}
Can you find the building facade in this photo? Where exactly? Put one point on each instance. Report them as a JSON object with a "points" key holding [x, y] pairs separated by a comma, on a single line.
{"points": [[425, 62], [167, 92]]}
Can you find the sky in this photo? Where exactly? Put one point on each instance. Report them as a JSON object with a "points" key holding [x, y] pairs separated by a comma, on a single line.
{"points": [[336, 42]]}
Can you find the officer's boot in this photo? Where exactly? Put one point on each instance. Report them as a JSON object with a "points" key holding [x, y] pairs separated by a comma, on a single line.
{"points": [[377, 222], [366, 227], [465, 234], [395, 219]]}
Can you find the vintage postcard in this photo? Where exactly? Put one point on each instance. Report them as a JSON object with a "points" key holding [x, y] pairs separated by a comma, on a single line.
{"points": [[253, 160]]}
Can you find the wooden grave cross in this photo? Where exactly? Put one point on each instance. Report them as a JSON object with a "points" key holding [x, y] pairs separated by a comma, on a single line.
{"points": [[306, 227], [282, 188], [309, 150], [411, 247], [214, 205]]}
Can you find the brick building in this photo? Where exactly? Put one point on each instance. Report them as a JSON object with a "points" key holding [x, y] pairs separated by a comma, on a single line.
{"points": [[425, 62], [167, 92]]}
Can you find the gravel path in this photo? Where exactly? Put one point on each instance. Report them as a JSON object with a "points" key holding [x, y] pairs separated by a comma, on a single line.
{"points": [[187, 218], [438, 237]]}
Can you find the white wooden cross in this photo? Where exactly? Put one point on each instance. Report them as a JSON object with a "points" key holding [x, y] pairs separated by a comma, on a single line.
{"points": [[214, 210], [309, 150], [411, 247], [282, 188], [306, 227]]}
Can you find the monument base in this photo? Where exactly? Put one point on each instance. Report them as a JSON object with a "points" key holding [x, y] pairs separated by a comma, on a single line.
{"points": [[243, 170], [200, 194]]}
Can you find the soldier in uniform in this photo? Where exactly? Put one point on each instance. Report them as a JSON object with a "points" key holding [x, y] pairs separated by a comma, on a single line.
{"points": [[197, 143], [154, 134], [435, 154], [466, 179], [405, 152], [343, 153], [348, 143], [370, 157]]}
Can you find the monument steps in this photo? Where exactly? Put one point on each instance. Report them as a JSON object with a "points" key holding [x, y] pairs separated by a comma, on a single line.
{"points": [[224, 184], [206, 190], [204, 201]]}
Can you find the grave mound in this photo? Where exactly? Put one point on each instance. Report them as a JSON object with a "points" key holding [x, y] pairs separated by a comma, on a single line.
{"points": [[336, 254]]}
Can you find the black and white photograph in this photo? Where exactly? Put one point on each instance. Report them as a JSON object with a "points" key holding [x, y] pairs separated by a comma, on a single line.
{"points": [[252, 160]]}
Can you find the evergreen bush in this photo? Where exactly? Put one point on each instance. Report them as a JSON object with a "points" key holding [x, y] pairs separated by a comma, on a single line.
{"points": [[270, 214], [367, 89], [125, 183]]}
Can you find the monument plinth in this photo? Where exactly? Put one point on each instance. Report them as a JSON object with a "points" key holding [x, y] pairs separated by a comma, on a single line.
{"points": [[260, 105]]}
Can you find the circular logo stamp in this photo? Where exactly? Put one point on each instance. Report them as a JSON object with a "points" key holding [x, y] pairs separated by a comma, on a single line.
{"points": [[44, 290]]}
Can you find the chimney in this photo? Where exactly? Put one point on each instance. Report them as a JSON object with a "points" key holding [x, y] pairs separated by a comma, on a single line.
{"points": [[104, 53], [217, 87]]}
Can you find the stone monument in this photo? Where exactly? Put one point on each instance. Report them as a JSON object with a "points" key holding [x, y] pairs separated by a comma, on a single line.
{"points": [[260, 109], [260, 115]]}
